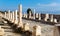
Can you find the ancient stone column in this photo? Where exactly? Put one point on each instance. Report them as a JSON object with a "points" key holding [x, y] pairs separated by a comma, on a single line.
{"points": [[12, 16], [25, 15], [51, 18], [47, 16], [16, 18], [34, 14], [29, 14], [5, 15], [20, 16], [1, 14], [36, 31], [55, 20], [9, 15], [39, 16]]}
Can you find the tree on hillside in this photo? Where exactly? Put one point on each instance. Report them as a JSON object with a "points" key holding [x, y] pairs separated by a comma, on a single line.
{"points": [[29, 12]]}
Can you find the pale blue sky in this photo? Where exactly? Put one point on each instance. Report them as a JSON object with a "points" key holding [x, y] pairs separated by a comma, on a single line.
{"points": [[39, 5]]}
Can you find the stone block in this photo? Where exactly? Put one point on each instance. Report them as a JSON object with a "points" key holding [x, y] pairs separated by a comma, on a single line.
{"points": [[36, 31], [26, 27], [5, 21], [16, 22], [20, 25]]}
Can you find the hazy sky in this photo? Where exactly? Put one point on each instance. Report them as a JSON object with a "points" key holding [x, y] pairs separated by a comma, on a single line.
{"points": [[39, 5]]}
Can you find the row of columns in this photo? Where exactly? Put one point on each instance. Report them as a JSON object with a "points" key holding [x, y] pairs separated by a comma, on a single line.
{"points": [[16, 18], [36, 29], [37, 15]]}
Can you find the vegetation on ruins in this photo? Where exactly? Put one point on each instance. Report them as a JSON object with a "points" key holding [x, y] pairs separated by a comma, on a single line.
{"points": [[29, 12]]}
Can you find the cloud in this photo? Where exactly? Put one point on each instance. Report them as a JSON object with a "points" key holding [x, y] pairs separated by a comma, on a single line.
{"points": [[51, 4], [49, 7], [45, 7]]}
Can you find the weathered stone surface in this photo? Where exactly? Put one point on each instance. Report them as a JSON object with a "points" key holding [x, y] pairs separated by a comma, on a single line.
{"points": [[9, 15], [51, 18], [20, 25], [7, 30], [1, 31], [55, 20], [5, 21], [46, 30], [24, 15], [16, 18], [13, 17], [36, 31], [47, 17], [39, 16], [26, 27], [34, 14], [29, 14], [5, 15], [20, 16]]}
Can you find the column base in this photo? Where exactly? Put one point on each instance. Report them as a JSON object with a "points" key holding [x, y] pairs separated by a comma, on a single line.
{"points": [[45, 19], [20, 25], [12, 21], [51, 20], [15, 22], [39, 19]]}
